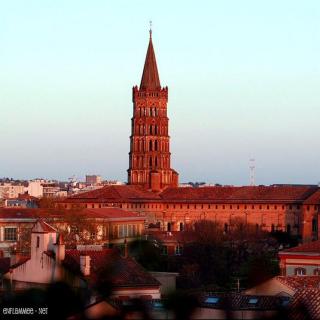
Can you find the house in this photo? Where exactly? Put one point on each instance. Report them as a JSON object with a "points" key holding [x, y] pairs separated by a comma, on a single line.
{"points": [[110, 226], [301, 260], [49, 262]]}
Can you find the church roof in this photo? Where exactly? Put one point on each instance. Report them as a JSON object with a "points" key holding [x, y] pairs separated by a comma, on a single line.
{"points": [[114, 193], [314, 198], [240, 194], [216, 194], [150, 77]]}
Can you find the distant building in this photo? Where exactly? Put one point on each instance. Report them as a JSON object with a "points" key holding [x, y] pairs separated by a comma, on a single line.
{"points": [[93, 179], [22, 201], [35, 188], [10, 190]]}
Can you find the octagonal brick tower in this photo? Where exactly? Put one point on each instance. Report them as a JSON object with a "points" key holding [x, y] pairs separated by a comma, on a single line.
{"points": [[149, 156]]}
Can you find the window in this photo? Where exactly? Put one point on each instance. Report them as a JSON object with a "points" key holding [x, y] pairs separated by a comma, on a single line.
{"points": [[226, 227], [38, 241], [164, 250], [169, 226], [10, 234], [314, 225], [300, 271], [253, 301], [123, 231], [181, 226], [316, 272], [212, 300], [178, 250]]}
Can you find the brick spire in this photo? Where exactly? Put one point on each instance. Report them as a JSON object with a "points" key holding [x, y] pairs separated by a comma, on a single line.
{"points": [[150, 77], [149, 156]]}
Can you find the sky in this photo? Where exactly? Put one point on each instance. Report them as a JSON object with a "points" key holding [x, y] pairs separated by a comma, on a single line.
{"points": [[243, 78]]}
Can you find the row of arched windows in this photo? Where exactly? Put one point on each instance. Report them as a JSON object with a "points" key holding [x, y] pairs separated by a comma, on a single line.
{"points": [[153, 162], [141, 129], [149, 112], [153, 145]]}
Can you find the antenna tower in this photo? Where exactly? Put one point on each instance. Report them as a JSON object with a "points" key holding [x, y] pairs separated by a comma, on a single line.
{"points": [[252, 168]]}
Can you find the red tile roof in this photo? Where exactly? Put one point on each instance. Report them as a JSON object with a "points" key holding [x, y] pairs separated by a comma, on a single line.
{"points": [[314, 198], [305, 304], [127, 193], [299, 282], [43, 227], [243, 194], [113, 193], [107, 213], [312, 247], [125, 272]]}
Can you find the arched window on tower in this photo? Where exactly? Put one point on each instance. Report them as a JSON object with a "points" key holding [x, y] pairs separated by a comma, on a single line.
{"points": [[155, 129], [150, 145], [156, 145], [150, 161], [314, 225], [169, 226], [156, 162]]}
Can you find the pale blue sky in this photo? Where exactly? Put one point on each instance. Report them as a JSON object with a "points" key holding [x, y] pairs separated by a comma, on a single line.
{"points": [[243, 78]]}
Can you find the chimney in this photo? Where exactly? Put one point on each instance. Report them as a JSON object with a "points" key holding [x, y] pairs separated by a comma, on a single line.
{"points": [[85, 265]]}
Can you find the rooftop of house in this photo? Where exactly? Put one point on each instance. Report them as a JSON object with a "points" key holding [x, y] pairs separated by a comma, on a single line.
{"points": [[310, 247], [108, 264], [219, 194], [105, 213], [299, 282], [305, 304]]}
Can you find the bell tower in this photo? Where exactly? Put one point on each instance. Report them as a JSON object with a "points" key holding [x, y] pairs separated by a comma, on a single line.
{"points": [[149, 156]]}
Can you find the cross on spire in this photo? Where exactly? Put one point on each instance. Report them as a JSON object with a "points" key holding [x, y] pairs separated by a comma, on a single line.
{"points": [[150, 30]]}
